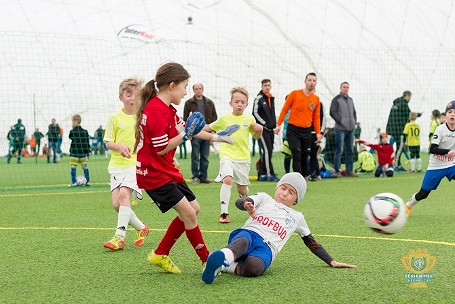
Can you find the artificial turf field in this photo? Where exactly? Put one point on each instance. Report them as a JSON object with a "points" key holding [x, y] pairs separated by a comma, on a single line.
{"points": [[52, 239]]}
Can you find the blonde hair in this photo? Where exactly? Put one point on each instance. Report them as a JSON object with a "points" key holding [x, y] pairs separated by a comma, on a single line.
{"points": [[241, 90], [130, 84], [77, 118], [412, 116]]}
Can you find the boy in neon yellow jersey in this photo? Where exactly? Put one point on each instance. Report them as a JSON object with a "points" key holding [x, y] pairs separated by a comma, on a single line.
{"points": [[235, 159]]}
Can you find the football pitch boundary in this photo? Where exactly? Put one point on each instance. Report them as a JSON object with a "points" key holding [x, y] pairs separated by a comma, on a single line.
{"points": [[443, 243]]}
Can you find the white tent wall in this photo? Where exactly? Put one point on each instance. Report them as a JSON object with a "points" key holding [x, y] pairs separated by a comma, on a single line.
{"points": [[48, 76]]}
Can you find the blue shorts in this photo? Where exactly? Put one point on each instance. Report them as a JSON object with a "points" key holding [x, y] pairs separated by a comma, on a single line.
{"points": [[257, 247], [432, 178]]}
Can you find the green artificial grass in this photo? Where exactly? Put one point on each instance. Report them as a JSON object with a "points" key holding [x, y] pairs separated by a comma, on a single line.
{"points": [[52, 239]]}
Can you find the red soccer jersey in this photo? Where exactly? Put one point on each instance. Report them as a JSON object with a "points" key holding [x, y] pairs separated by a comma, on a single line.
{"points": [[385, 152], [158, 126]]}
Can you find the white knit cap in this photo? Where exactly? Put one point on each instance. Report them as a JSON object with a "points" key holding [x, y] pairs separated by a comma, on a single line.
{"points": [[297, 181]]}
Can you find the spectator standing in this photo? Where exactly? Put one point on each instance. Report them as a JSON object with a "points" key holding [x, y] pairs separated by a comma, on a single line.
{"points": [[305, 113], [38, 135], [79, 149], [200, 148], [435, 122], [411, 134], [99, 134], [264, 114], [398, 117], [342, 110], [17, 138], [53, 135]]}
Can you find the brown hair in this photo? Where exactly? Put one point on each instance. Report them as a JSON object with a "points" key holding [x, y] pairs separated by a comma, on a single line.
{"points": [[77, 118], [166, 74]]}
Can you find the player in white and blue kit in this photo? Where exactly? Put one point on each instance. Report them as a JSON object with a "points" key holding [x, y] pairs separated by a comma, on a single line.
{"points": [[442, 159], [252, 248]]}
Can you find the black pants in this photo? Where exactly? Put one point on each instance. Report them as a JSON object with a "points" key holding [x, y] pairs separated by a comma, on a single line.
{"points": [[267, 140], [299, 140]]}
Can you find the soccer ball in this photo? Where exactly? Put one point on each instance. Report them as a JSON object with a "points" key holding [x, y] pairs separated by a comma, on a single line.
{"points": [[81, 181], [385, 213]]}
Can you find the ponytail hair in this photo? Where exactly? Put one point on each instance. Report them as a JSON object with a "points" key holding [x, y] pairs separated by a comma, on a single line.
{"points": [[166, 74]]}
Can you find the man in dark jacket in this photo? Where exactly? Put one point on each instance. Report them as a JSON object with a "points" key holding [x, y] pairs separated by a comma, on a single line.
{"points": [[398, 118], [17, 136], [342, 110], [200, 148], [53, 134], [264, 113]]}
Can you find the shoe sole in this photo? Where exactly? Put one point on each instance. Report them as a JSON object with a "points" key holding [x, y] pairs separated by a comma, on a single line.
{"points": [[215, 261], [109, 246]]}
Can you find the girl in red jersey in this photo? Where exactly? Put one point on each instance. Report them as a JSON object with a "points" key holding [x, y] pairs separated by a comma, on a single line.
{"points": [[159, 131]]}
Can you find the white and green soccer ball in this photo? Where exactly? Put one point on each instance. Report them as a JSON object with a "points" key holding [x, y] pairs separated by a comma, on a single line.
{"points": [[385, 213]]}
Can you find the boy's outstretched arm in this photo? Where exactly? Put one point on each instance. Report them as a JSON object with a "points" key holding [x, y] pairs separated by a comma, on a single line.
{"points": [[321, 253]]}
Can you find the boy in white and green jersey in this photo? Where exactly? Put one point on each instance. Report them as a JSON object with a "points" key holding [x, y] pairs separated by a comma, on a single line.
{"points": [[235, 159]]}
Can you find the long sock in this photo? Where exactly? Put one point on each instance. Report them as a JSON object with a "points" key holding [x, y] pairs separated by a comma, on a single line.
{"points": [[73, 174], [413, 164], [173, 232], [87, 175], [135, 222], [197, 241], [225, 197], [412, 201], [122, 220], [228, 255], [419, 164]]}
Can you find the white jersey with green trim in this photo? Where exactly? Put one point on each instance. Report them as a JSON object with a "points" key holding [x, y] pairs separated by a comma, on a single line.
{"points": [[445, 139], [275, 222]]}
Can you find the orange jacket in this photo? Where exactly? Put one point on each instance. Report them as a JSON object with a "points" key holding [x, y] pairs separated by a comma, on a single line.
{"points": [[305, 110]]}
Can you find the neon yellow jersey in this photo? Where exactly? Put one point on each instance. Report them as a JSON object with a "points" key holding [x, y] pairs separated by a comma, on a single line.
{"points": [[239, 151], [120, 129], [412, 131]]}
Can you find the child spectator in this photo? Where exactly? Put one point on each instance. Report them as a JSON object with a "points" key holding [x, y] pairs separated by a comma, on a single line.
{"points": [[79, 149], [442, 156], [120, 139], [252, 248], [435, 122], [443, 118], [235, 159], [411, 134], [385, 155], [366, 160]]}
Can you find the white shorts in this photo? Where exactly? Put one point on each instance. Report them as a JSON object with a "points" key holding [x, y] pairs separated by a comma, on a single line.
{"points": [[125, 177], [239, 171]]}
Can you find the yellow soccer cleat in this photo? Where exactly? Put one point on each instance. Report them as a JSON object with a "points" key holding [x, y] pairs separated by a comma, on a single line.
{"points": [[116, 243], [140, 236], [163, 261]]}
